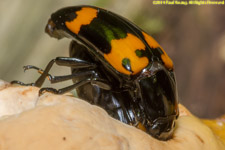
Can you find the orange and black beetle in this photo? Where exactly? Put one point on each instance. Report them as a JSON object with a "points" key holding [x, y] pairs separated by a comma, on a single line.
{"points": [[117, 66]]}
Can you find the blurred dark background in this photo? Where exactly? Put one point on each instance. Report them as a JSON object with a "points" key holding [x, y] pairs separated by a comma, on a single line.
{"points": [[192, 35]]}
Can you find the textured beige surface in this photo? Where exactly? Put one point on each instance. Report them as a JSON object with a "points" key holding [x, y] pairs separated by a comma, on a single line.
{"points": [[52, 122]]}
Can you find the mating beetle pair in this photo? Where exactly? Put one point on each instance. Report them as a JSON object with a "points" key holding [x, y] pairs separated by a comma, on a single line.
{"points": [[117, 66]]}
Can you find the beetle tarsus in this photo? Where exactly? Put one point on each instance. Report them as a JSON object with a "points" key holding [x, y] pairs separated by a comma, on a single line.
{"points": [[28, 67], [21, 83], [51, 90]]}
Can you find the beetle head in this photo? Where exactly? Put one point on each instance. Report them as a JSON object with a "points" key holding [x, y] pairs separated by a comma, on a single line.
{"points": [[158, 94], [56, 24]]}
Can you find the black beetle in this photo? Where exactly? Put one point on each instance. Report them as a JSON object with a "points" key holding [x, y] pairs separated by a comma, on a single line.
{"points": [[117, 66]]}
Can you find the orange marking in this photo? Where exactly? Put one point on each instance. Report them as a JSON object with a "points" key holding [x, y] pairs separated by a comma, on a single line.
{"points": [[125, 48], [84, 17], [41, 72], [141, 127], [154, 44]]}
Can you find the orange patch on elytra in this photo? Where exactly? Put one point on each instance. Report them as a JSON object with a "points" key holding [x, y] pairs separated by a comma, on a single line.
{"points": [[84, 17], [154, 44], [125, 48]]}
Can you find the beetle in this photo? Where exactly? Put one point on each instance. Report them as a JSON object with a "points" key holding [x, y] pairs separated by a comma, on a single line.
{"points": [[117, 66]]}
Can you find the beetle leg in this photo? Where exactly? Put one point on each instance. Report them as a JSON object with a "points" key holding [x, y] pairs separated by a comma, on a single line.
{"points": [[64, 90], [27, 68], [95, 81], [63, 61], [56, 79], [102, 83]]}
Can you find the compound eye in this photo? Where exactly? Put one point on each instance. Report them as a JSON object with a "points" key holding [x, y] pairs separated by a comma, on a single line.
{"points": [[50, 27]]}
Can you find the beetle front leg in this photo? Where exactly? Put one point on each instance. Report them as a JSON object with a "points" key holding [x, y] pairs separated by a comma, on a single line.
{"points": [[100, 82], [41, 79], [61, 61], [26, 68], [97, 81]]}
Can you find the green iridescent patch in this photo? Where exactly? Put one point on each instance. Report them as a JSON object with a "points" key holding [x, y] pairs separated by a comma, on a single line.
{"points": [[126, 64], [139, 53], [113, 33]]}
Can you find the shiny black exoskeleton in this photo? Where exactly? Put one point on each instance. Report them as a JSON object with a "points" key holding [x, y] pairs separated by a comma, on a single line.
{"points": [[116, 66]]}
